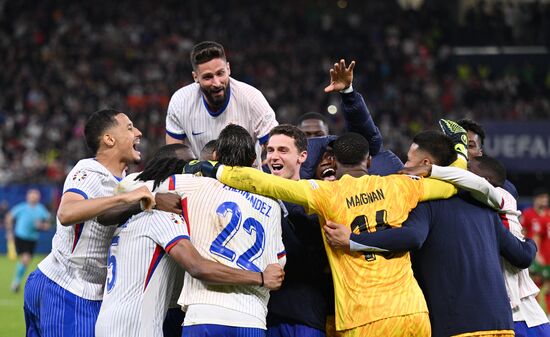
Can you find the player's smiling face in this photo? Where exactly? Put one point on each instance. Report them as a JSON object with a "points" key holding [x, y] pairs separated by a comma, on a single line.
{"points": [[326, 170], [283, 157], [213, 78], [127, 138], [474, 144]]}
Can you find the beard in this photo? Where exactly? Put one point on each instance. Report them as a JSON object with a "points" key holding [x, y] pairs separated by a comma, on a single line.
{"points": [[215, 102]]}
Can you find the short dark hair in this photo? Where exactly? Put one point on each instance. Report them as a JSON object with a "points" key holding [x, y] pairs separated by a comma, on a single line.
{"points": [[300, 140], [235, 146], [207, 149], [163, 164], [311, 115], [438, 145], [350, 148], [492, 170], [470, 125], [206, 51], [96, 125]]}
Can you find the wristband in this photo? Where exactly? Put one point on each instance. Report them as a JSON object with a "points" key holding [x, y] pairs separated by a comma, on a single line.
{"points": [[262, 275], [347, 90]]}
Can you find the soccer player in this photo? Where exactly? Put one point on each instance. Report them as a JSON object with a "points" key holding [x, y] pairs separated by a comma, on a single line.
{"points": [[142, 264], [29, 217], [375, 295], [199, 111], [63, 295], [320, 161], [301, 306], [208, 150], [313, 124], [235, 228], [476, 137], [449, 253]]}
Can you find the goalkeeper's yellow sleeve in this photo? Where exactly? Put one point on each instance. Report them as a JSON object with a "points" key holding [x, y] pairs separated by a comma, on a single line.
{"points": [[460, 163], [437, 189], [255, 181]]}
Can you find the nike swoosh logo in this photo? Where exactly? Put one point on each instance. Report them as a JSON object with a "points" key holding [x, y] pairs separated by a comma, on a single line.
{"points": [[197, 133]]}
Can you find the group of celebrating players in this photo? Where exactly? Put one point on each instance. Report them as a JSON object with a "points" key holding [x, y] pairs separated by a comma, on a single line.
{"points": [[193, 247]]}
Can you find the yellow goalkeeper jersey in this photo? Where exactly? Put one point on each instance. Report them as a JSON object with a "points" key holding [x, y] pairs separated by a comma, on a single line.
{"points": [[368, 287]]}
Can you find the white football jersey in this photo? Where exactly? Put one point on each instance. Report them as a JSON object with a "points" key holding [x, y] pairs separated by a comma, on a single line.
{"points": [[189, 117], [140, 275], [78, 261], [520, 287], [233, 227]]}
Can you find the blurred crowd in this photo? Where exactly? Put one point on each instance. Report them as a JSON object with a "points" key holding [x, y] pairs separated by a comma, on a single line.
{"points": [[62, 60]]}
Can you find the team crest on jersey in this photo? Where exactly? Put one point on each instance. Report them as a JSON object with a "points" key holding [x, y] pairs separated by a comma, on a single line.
{"points": [[80, 175], [177, 219]]}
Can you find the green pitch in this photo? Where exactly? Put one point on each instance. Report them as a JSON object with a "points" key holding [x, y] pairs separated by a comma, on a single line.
{"points": [[12, 320]]}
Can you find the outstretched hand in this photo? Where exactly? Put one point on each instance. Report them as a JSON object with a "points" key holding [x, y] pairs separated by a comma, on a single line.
{"points": [[341, 76], [420, 171]]}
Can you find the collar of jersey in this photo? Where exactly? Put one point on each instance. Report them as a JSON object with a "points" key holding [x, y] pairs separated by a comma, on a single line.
{"points": [[225, 104]]}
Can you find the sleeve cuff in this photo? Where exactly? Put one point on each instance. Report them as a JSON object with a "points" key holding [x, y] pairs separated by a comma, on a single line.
{"points": [[219, 172], [436, 172], [347, 90]]}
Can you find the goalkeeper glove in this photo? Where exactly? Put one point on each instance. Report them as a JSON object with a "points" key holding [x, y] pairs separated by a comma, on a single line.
{"points": [[205, 168], [457, 135]]}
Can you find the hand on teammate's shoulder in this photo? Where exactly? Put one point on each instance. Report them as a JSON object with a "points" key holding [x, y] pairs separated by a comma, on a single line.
{"points": [[205, 168]]}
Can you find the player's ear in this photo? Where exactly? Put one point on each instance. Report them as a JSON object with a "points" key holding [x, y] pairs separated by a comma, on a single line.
{"points": [[214, 155], [195, 77], [228, 69], [302, 157], [109, 140], [369, 161]]}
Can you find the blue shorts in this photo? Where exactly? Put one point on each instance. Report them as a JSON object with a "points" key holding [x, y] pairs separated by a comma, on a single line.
{"points": [[522, 330], [214, 330], [51, 311], [291, 330]]}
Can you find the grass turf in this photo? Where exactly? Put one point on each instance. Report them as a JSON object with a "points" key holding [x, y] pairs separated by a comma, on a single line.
{"points": [[12, 319]]}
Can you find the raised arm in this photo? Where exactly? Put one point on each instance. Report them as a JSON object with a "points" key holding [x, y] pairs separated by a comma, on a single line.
{"points": [[256, 181], [75, 207], [437, 189], [356, 113], [478, 187]]}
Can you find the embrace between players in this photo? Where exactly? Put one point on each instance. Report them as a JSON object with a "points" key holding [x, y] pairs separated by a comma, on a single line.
{"points": [[113, 270]]}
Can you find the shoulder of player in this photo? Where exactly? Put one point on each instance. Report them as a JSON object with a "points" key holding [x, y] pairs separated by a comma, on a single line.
{"points": [[183, 93], [155, 217], [238, 87], [85, 167]]}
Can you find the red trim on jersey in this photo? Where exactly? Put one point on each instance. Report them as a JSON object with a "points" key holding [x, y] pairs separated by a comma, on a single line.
{"points": [[172, 183], [281, 254], [157, 256], [186, 214], [77, 233], [502, 203], [174, 241], [504, 220]]}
